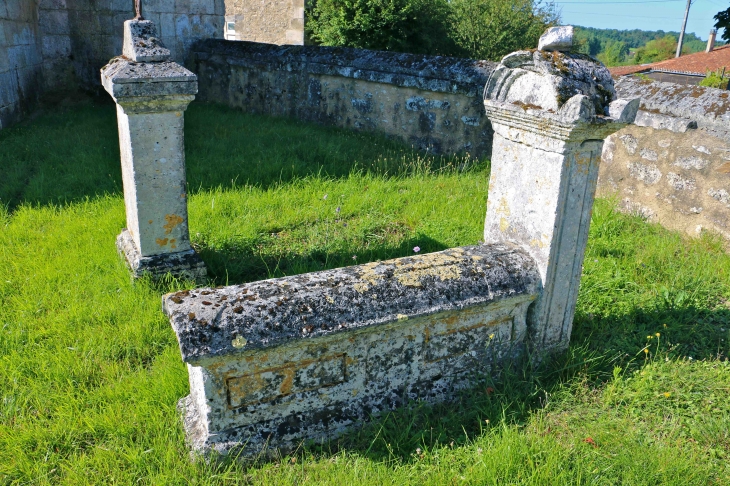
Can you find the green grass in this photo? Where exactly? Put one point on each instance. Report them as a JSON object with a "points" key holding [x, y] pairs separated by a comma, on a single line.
{"points": [[90, 372]]}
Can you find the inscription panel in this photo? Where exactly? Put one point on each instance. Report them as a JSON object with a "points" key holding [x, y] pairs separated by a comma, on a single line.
{"points": [[457, 342], [266, 385]]}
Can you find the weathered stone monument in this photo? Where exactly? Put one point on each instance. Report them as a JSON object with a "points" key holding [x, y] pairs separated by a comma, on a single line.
{"points": [[281, 361], [550, 112], [152, 94]]}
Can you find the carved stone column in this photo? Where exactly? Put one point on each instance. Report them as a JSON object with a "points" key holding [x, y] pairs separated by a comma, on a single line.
{"points": [[550, 112], [152, 94]]}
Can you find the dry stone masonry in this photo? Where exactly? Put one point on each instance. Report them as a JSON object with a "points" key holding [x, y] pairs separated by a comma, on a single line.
{"points": [[429, 102], [152, 94], [278, 362], [269, 21], [673, 166]]}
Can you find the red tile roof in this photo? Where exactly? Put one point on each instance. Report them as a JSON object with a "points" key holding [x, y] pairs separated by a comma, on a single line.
{"points": [[698, 63]]}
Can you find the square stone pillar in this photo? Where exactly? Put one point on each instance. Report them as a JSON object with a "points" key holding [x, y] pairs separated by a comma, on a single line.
{"points": [[550, 112], [152, 94]]}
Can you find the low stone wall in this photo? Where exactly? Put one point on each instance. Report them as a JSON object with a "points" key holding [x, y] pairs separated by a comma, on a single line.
{"points": [[666, 170], [433, 103], [280, 361]]}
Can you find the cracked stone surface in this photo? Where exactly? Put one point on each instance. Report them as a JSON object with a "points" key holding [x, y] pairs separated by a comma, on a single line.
{"points": [[269, 313]]}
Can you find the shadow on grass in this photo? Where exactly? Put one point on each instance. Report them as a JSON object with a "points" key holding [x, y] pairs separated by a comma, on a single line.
{"points": [[246, 262], [70, 151]]}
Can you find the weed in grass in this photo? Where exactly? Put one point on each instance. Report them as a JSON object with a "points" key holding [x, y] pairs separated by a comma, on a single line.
{"points": [[90, 372]]}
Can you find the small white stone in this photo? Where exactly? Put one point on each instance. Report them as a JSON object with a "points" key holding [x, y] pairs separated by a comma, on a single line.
{"points": [[557, 39]]}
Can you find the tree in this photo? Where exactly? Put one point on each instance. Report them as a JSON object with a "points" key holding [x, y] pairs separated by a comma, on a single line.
{"points": [[484, 29], [490, 29], [614, 53], [658, 50], [415, 26], [723, 22], [586, 43]]}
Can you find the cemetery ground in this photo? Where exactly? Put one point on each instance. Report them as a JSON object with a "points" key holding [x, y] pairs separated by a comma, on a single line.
{"points": [[90, 371]]}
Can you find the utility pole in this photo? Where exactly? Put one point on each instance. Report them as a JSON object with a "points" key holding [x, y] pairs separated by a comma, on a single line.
{"points": [[684, 26]]}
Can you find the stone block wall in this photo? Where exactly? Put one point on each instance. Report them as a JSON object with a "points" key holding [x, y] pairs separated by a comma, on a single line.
{"points": [[20, 59], [665, 171], [430, 102], [47, 45], [269, 21], [96, 28]]}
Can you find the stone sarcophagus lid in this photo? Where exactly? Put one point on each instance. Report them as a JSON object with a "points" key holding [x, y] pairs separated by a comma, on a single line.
{"points": [[277, 362]]}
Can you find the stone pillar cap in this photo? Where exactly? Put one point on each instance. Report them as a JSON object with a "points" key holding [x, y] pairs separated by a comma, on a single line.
{"points": [[557, 39], [141, 43], [568, 88]]}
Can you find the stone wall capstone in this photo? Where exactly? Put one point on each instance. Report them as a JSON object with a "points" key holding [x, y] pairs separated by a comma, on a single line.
{"points": [[430, 102]]}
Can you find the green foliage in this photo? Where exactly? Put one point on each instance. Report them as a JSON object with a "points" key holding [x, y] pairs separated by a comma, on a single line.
{"points": [[637, 38], [490, 29], [723, 22], [482, 29], [715, 79], [614, 53], [586, 42], [90, 372], [658, 50], [414, 26]]}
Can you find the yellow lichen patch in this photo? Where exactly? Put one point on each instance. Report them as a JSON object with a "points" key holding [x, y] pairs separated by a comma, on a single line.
{"points": [[173, 221], [537, 243], [441, 265], [368, 273], [161, 241], [239, 342], [503, 224], [402, 317], [330, 299], [288, 382], [503, 207], [361, 287], [172, 243]]}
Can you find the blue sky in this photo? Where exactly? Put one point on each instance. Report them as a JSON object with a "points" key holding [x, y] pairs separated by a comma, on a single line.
{"points": [[664, 15]]}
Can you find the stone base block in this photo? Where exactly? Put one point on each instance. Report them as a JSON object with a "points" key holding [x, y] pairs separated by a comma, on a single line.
{"points": [[185, 264]]}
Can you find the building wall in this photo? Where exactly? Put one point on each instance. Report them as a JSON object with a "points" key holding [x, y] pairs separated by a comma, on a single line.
{"points": [[432, 103], [34, 48], [47, 45], [269, 21]]}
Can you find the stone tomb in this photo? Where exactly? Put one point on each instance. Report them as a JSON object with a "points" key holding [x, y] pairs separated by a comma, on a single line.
{"points": [[278, 362]]}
